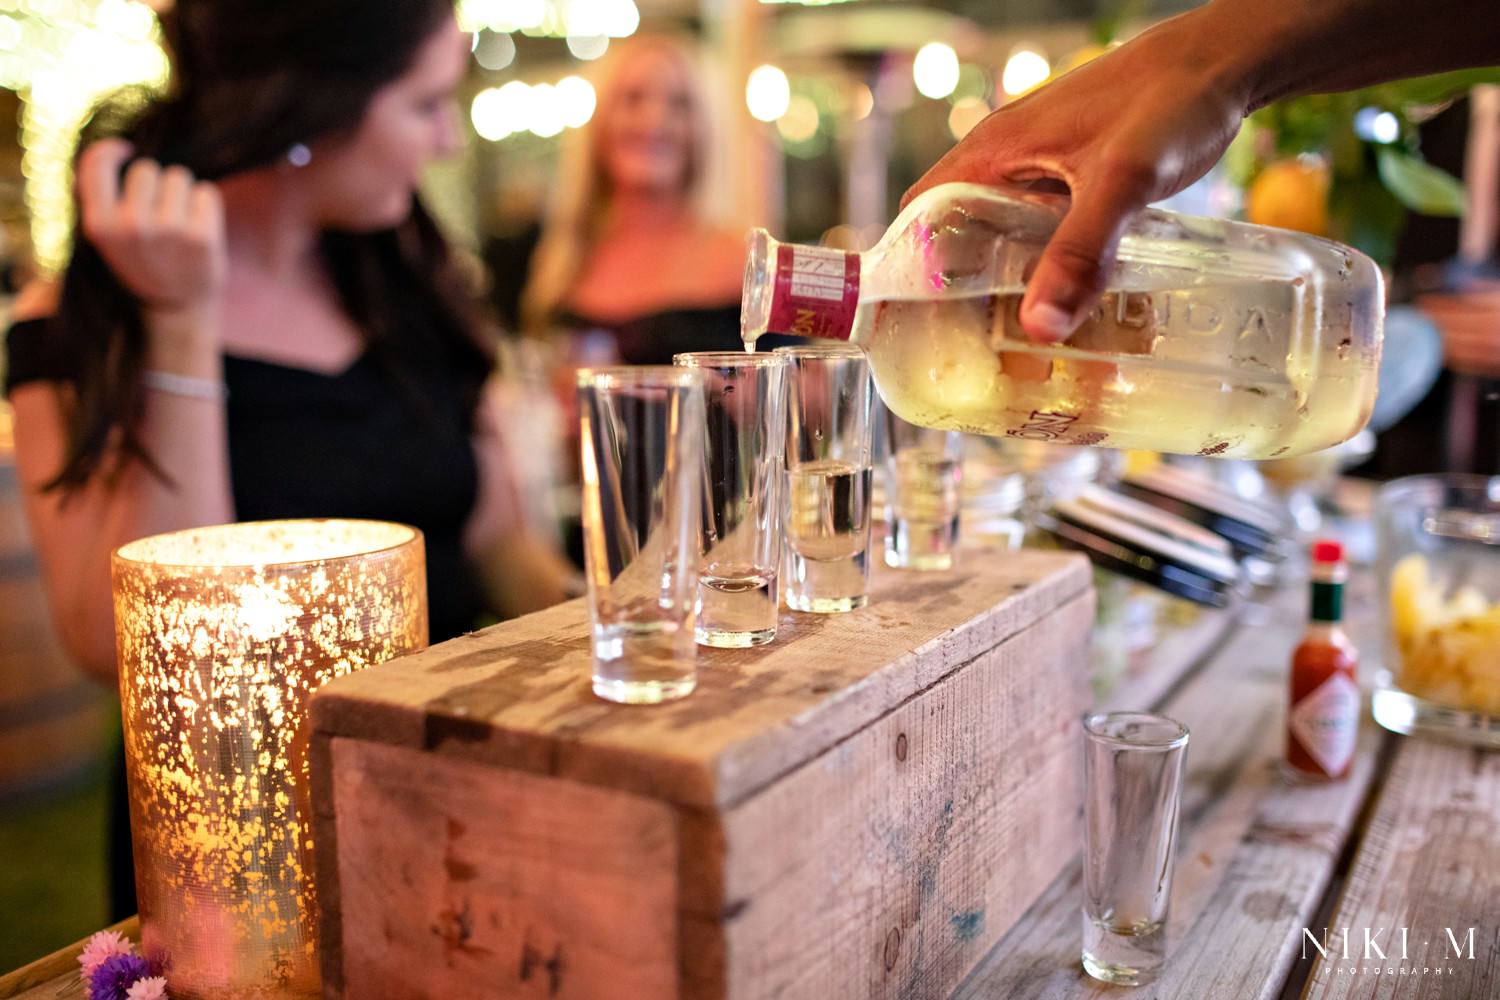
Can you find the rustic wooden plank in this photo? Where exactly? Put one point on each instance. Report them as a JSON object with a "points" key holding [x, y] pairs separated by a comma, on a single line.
{"points": [[535, 887], [56, 974], [1256, 854], [1424, 887], [518, 695], [330, 919], [878, 867], [871, 870]]}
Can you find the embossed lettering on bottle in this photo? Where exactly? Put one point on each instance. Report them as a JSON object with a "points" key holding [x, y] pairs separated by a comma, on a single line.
{"points": [[1213, 337]]}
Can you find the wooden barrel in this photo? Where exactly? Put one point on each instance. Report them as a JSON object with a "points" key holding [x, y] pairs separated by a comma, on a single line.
{"points": [[52, 716]]}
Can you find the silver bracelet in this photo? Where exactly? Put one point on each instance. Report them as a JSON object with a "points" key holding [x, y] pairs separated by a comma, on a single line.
{"points": [[185, 385]]}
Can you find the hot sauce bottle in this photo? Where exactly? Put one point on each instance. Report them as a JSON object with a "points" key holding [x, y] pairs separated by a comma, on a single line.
{"points": [[1323, 714]]}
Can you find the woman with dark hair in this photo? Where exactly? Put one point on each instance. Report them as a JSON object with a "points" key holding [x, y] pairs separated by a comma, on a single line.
{"points": [[261, 321]]}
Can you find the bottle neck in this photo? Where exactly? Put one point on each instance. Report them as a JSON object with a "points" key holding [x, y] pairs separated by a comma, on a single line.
{"points": [[1327, 606], [800, 290]]}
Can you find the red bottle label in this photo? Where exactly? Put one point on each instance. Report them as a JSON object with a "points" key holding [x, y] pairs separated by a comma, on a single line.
{"points": [[816, 292]]}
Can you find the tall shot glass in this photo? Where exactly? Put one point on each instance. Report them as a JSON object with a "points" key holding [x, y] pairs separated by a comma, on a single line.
{"points": [[744, 438], [641, 450], [924, 473], [1132, 780], [827, 503]]}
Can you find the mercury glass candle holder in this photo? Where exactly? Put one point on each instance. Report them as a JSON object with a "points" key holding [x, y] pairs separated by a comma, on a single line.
{"points": [[224, 633]]}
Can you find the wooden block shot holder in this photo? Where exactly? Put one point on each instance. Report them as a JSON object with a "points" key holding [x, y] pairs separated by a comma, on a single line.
{"points": [[860, 809]]}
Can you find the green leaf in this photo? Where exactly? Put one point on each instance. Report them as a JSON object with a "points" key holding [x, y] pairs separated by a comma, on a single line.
{"points": [[1419, 185], [1346, 151], [1364, 214], [1106, 26], [1239, 158], [1436, 88], [1301, 124]]}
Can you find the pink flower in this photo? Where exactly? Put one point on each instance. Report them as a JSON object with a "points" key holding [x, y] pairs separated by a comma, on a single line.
{"points": [[100, 947], [154, 988]]}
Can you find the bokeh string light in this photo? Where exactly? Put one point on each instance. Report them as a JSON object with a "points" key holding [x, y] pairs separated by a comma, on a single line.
{"points": [[543, 109], [62, 57], [552, 18]]}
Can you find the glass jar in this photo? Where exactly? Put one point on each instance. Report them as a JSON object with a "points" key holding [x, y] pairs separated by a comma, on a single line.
{"points": [[1438, 577]]}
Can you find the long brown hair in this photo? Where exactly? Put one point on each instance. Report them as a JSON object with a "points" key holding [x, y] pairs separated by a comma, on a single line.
{"points": [[250, 80]]}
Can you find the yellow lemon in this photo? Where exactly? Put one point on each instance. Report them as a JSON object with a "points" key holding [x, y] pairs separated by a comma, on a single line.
{"points": [[1291, 194]]}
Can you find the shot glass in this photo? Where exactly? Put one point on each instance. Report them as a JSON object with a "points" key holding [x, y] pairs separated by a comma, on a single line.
{"points": [[1132, 780], [827, 504], [924, 472], [744, 405], [641, 451]]}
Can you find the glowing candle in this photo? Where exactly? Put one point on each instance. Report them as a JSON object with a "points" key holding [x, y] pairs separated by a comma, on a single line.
{"points": [[223, 634]]}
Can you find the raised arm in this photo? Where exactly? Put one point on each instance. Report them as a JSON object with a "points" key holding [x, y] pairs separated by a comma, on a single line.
{"points": [[1147, 119], [162, 233]]}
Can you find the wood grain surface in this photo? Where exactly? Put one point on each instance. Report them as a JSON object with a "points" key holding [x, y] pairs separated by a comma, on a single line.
{"points": [[517, 695], [1256, 854], [858, 810], [1421, 909]]}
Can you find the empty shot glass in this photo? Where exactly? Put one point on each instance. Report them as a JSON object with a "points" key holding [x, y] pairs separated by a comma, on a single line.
{"points": [[744, 405], [924, 475], [827, 503], [1132, 780], [641, 434]]}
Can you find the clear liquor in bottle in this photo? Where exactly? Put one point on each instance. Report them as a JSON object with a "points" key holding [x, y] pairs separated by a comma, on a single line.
{"points": [[1216, 338]]}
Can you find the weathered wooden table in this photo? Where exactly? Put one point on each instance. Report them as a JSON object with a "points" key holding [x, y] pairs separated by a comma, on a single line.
{"points": [[1403, 857]]}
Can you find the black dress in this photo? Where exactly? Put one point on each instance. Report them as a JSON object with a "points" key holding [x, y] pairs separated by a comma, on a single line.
{"points": [[366, 443]]}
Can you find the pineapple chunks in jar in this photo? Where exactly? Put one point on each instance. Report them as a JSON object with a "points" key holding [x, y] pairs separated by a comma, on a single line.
{"points": [[1449, 644]]}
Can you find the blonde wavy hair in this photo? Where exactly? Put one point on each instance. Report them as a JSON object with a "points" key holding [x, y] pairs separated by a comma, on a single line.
{"points": [[581, 197]]}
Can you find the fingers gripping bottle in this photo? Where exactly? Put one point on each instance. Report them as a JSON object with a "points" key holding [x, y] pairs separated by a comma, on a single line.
{"points": [[1214, 338]]}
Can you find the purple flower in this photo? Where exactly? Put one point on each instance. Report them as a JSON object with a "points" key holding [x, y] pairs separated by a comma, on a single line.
{"points": [[115, 975]]}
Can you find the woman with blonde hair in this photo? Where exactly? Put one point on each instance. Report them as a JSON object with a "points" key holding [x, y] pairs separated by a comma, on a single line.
{"points": [[634, 243]]}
